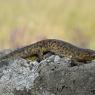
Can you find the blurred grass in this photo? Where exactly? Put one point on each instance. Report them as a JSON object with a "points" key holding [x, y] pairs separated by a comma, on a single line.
{"points": [[25, 21]]}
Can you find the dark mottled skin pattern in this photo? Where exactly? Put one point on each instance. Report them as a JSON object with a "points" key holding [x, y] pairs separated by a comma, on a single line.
{"points": [[57, 47]]}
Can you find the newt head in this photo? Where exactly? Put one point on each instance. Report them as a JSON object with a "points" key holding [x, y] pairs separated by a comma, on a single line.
{"points": [[88, 55], [92, 54]]}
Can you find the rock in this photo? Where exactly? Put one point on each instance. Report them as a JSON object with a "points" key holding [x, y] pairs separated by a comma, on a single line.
{"points": [[52, 76]]}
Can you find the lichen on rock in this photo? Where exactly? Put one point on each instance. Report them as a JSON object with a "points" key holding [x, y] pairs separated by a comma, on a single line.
{"points": [[52, 76]]}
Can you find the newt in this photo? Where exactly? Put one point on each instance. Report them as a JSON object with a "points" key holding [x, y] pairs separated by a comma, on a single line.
{"points": [[58, 47]]}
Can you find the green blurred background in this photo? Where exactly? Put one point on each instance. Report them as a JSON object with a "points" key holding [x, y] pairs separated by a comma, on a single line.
{"points": [[23, 22]]}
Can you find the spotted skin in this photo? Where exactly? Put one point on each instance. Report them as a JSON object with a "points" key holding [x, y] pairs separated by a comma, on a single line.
{"points": [[55, 46]]}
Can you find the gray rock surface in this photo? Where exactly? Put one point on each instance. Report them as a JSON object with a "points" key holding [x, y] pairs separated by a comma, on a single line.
{"points": [[52, 76]]}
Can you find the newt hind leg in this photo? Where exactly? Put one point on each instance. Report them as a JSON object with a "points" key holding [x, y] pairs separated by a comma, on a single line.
{"points": [[32, 58], [39, 57]]}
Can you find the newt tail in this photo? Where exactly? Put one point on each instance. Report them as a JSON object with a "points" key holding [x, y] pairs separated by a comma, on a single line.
{"points": [[55, 46]]}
